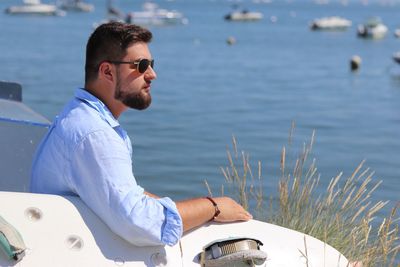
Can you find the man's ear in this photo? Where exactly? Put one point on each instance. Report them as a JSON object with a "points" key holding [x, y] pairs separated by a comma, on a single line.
{"points": [[106, 71]]}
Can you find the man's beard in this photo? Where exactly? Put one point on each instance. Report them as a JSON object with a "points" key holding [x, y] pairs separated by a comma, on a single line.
{"points": [[140, 100]]}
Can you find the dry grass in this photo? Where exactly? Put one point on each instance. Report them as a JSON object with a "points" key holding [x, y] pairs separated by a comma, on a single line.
{"points": [[344, 215]]}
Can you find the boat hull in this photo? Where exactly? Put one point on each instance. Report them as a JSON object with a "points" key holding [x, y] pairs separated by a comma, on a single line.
{"points": [[77, 7], [42, 9], [330, 24], [244, 16], [63, 231], [378, 32], [156, 18]]}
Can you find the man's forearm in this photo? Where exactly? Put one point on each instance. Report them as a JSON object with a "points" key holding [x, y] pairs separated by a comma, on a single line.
{"points": [[195, 212]]}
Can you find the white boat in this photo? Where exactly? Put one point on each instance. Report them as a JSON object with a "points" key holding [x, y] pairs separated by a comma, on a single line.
{"points": [[397, 33], [396, 57], [63, 231], [244, 15], [372, 28], [153, 15], [76, 5], [35, 7], [330, 23], [49, 230]]}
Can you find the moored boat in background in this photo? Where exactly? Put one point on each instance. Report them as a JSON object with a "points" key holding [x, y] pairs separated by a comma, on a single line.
{"points": [[244, 15], [396, 57], [373, 28], [330, 23], [35, 7], [76, 5], [152, 15], [397, 33]]}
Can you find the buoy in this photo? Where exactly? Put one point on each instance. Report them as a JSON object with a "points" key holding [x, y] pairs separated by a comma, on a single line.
{"points": [[231, 40], [355, 62]]}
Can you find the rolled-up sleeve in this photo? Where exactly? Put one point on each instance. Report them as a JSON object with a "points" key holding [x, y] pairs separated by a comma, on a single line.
{"points": [[101, 174], [173, 222]]}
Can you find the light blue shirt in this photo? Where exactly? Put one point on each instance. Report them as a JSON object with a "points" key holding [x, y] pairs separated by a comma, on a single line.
{"points": [[87, 153]]}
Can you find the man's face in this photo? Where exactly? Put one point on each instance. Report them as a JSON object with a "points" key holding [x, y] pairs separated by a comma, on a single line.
{"points": [[133, 87]]}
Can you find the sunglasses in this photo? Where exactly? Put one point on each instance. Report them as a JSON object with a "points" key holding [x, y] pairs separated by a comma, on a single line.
{"points": [[141, 65]]}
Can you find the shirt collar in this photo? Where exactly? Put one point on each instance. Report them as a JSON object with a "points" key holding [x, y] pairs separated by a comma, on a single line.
{"points": [[95, 103]]}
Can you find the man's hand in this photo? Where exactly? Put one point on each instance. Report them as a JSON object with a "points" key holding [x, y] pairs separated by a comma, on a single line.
{"points": [[230, 210]]}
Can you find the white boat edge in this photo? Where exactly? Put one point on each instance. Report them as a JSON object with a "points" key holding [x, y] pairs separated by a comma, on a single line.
{"points": [[63, 231]]}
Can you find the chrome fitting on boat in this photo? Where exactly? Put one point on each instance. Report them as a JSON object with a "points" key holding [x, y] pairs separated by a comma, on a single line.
{"points": [[233, 252]]}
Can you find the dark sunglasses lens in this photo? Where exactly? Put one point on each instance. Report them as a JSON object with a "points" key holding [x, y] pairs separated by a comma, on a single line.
{"points": [[143, 65]]}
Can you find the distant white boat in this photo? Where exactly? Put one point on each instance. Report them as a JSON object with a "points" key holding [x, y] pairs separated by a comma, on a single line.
{"points": [[397, 33], [76, 5], [396, 57], [153, 15], [35, 7], [244, 15], [372, 28], [330, 23]]}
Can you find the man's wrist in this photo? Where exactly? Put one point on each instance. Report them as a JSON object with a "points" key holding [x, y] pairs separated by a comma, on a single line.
{"points": [[217, 211]]}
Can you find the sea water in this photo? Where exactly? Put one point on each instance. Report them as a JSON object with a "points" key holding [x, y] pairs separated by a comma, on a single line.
{"points": [[277, 74]]}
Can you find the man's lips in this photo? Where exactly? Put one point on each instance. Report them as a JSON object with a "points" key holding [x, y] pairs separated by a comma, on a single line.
{"points": [[147, 88]]}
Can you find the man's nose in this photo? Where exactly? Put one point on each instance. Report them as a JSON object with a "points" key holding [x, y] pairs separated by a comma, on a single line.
{"points": [[150, 73]]}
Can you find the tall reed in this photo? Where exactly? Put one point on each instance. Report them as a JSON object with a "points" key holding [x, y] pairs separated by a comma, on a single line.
{"points": [[342, 215]]}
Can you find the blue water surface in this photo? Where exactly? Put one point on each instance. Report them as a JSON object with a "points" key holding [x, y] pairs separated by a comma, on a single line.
{"points": [[207, 91]]}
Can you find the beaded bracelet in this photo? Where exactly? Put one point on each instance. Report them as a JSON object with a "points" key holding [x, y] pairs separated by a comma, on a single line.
{"points": [[217, 211]]}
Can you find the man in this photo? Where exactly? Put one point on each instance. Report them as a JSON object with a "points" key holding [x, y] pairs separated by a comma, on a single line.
{"points": [[87, 153]]}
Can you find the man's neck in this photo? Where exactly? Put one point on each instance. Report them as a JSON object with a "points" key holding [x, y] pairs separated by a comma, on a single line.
{"points": [[106, 95]]}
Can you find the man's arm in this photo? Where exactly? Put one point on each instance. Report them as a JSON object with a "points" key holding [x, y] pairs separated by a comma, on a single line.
{"points": [[195, 212]]}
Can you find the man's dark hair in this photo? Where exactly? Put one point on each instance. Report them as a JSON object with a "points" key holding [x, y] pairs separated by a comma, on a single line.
{"points": [[109, 42]]}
